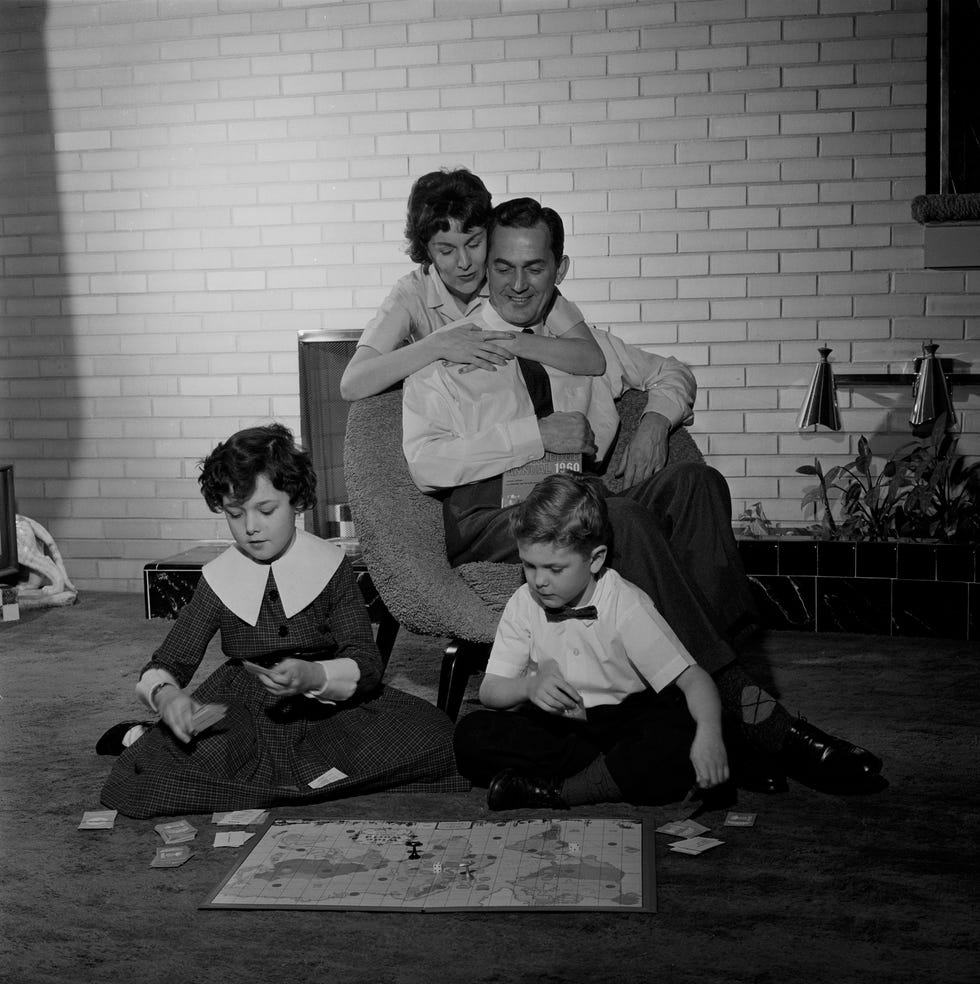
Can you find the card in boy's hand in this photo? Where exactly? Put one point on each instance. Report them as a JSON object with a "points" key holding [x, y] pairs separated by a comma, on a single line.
{"points": [[207, 715]]}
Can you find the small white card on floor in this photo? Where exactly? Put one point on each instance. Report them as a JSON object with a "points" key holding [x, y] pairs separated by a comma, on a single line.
{"points": [[740, 820], [98, 820], [331, 775], [240, 818], [683, 828], [231, 838], [695, 845]]}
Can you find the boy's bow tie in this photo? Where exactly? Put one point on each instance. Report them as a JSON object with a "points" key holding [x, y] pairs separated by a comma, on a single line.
{"points": [[562, 614]]}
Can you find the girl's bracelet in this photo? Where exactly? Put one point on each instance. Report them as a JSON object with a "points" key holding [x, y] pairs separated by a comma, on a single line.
{"points": [[155, 691]]}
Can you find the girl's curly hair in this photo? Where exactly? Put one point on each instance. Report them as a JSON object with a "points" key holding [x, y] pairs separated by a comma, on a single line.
{"points": [[233, 467]]}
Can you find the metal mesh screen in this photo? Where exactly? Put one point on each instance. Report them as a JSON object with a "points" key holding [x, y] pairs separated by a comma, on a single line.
{"points": [[323, 356]]}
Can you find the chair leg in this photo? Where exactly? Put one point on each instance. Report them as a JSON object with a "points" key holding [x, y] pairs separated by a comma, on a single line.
{"points": [[387, 633], [378, 613], [461, 660]]}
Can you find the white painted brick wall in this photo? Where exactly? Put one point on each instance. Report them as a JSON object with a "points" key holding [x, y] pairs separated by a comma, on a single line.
{"points": [[187, 184]]}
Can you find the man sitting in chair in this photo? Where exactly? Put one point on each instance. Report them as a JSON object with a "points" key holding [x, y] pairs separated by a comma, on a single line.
{"points": [[672, 533]]}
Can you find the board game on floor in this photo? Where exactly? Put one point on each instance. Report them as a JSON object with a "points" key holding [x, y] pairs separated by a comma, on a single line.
{"points": [[447, 865]]}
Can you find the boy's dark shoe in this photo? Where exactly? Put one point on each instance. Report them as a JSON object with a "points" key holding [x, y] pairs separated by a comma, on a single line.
{"points": [[112, 742], [829, 764], [752, 770], [509, 790]]}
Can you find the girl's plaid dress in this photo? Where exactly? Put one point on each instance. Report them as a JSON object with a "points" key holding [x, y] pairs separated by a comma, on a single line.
{"points": [[268, 750]]}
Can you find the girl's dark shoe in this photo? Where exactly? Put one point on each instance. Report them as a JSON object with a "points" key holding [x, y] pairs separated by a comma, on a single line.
{"points": [[114, 741]]}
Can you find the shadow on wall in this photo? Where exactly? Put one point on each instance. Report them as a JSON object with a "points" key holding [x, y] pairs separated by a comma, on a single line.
{"points": [[41, 382]]}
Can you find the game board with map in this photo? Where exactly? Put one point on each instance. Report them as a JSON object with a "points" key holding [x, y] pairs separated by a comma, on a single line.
{"points": [[579, 864]]}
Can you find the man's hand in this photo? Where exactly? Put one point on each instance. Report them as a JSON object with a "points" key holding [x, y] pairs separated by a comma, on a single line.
{"points": [[550, 691], [567, 433], [472, 348], [646, 453]]}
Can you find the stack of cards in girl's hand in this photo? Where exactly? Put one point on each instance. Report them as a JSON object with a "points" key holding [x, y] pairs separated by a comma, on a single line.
{"points": [[206, 715]]}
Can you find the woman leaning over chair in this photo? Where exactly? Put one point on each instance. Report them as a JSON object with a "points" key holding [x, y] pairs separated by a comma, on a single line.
{"points": [[448, 213]]}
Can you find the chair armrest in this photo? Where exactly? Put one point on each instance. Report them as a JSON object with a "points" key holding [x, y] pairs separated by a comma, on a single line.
{"points": [[401, 531]]}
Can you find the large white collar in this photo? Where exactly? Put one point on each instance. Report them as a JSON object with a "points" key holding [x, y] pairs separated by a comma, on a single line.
{"points": [[301, 573]]}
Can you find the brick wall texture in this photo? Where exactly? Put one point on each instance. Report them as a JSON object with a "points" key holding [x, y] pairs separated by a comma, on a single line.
{"points": [[187, 184]]}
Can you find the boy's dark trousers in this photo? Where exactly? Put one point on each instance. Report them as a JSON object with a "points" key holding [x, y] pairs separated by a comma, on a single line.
{"points": [[646, 742]]}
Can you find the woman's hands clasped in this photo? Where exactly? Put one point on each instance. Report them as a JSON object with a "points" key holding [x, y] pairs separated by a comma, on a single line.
{"points": [[473, 348]]}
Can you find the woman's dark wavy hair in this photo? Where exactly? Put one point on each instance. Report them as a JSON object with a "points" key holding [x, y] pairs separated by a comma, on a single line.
{"points": [[233, 467], [526, 213], [566, 509], [439, 197]]}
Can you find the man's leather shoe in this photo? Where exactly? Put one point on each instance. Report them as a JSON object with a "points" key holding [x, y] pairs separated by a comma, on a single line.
{"points": [[829, 764], [509, 790], [113, 741]]}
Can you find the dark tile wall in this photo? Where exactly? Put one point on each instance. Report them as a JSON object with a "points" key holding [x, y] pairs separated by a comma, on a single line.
{"points": [[906, 589]]}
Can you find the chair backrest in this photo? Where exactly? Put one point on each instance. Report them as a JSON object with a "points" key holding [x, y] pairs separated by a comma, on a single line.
{"points": [[401, 533]]}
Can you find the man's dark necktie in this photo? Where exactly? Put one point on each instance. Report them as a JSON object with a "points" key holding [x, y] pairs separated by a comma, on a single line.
{"points": [[538, 384], [563, 614]]}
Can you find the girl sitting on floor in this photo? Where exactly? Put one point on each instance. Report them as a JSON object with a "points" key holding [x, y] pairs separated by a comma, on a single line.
{"points": [[306, 715]]}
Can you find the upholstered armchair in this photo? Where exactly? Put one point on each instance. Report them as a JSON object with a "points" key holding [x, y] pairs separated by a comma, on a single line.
{"points": [[401, 537]]}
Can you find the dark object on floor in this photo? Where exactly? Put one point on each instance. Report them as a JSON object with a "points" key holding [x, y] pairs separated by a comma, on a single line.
{"points": [[111, 743], [829, 764], [509, 790]]}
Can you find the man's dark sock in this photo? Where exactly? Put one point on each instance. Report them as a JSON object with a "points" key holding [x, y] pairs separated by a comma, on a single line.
{"points": [[593, 784], [763, 720]]}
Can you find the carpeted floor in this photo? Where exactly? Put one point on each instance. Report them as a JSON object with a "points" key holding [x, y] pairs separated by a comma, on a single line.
{"points": [[823, 889]]}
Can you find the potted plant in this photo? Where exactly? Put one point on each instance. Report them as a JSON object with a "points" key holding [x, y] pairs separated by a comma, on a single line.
{"points": [[924, 490]]}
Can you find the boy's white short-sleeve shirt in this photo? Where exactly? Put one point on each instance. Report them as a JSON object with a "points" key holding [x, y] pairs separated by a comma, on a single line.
{"points": [[628, 647]]}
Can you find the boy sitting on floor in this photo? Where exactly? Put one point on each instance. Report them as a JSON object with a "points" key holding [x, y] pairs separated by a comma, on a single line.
{"points": [[586, 662]]}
